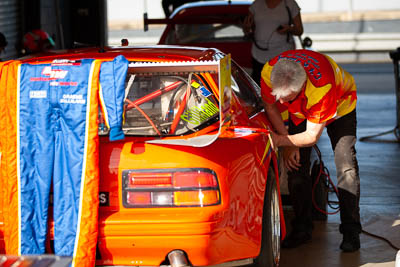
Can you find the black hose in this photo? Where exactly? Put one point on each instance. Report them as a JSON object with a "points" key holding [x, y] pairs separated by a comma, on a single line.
{"points": [[325, 171], [381, 238], [395, 131]]}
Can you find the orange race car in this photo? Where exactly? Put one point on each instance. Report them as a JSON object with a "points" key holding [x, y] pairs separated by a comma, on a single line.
{"points": [[195, 181]]}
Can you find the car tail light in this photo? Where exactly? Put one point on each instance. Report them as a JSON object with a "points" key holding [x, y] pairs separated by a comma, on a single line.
{"points": [[170, 188], [141, 180]]}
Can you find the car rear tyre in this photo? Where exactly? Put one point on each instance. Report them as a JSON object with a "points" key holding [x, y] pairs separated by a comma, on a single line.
{"points": [[271, 230]]}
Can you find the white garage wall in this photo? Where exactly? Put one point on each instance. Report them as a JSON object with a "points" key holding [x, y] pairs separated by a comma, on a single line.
{"points": [[129, 13], [133, 9], [309, 6]]}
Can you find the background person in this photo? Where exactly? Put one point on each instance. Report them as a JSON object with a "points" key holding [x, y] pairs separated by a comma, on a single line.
{"points": [[37, 41], [318, 94], [3, 43], [272, 24]]}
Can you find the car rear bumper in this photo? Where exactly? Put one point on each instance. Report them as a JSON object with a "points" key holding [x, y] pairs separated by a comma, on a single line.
{"points": [[148, 244]]}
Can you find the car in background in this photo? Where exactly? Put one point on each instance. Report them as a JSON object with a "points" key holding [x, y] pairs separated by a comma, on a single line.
{"points": [[195, 181], [215, 24]]}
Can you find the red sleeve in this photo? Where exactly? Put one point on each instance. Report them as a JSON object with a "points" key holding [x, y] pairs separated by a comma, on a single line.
{"points": [[266, 93]]}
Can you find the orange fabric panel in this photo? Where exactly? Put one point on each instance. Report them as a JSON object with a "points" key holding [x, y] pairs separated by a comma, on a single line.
{"points": [[2, 147], [9, 156], [86, 240]]}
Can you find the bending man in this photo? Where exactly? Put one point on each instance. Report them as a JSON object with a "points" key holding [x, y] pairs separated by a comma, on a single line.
{"points": [[318, 94]]}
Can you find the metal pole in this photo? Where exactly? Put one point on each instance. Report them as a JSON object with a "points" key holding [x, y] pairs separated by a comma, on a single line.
{"points": [[397, 129], [395, 55], [396, 64], [59, 25], [350, 9], [319, 5]]}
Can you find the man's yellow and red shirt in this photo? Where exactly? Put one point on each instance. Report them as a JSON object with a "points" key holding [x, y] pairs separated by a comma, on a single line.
{"points": [[329, 93]]}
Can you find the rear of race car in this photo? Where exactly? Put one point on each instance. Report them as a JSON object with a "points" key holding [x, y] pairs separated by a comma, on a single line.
{"points": [[177, 188], [176, 203]]}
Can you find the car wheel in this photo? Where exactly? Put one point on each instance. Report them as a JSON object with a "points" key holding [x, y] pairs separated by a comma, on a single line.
{"points": [[271, 229]]}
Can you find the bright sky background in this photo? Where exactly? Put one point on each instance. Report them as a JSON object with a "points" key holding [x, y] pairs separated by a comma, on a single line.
{"points": [[133, 9]]}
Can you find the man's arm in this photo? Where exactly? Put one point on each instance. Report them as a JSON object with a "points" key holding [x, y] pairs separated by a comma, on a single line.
{"points": [[305, 139], [248, 24], [275, 117], [296, 28], [291, 155]]}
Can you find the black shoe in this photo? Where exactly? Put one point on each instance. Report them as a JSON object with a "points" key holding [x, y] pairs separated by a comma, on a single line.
{"points": [[351, 242], [295, 239]]}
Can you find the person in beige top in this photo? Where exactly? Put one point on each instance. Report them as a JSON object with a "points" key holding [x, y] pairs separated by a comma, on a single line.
{"points": [[271, 24]]}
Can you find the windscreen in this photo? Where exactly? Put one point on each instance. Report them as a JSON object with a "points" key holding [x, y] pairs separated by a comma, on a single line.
{"points": [[187, 33]]}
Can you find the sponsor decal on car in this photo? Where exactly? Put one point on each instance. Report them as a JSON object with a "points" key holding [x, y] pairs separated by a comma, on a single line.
{"points": [[104, 199], [197, 115]]}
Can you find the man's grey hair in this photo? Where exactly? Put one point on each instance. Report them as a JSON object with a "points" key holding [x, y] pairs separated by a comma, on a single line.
{"points": [[287, 76]]}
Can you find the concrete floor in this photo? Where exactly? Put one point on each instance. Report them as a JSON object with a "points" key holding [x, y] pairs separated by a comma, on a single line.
{"points": [[379, 162]]}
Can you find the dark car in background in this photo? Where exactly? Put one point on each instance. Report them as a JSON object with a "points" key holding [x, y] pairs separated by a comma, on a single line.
{"points": [[212, 24], [215, 24]]}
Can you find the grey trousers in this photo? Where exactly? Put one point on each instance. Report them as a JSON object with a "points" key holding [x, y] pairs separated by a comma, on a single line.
{"points": [[342, 134]]}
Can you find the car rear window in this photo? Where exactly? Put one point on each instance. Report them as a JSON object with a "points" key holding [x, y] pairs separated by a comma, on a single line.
{"points": [[164, 104]]}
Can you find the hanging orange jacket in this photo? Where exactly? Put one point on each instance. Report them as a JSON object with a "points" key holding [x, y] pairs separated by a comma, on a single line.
{"points": [[330, 91]]}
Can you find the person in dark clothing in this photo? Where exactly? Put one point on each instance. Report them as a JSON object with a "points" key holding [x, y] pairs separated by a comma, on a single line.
{"points": [[37, 41], [3, 42]]}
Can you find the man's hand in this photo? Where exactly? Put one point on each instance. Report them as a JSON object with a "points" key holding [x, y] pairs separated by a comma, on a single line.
{"points": [[283, 29], [291, 158], [248, 25], [274, 138], [291, 154]]}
